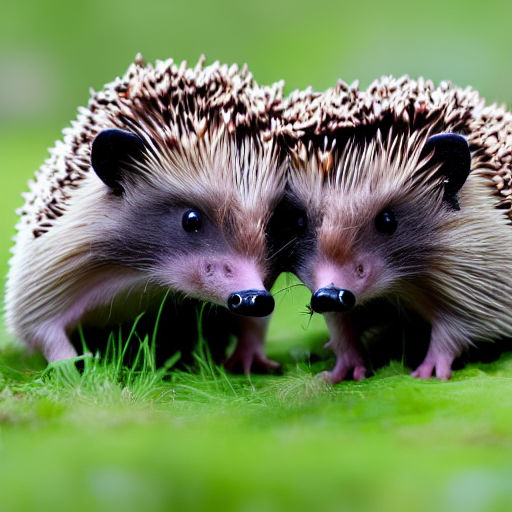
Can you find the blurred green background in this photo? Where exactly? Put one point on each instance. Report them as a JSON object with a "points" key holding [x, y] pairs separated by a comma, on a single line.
{"points": [[388, 434]]}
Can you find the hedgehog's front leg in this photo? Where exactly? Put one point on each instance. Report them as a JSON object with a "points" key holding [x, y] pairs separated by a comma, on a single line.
{"points": [[346, 345], [60, 312], [249, 354], [440, 355], [52, 340]]}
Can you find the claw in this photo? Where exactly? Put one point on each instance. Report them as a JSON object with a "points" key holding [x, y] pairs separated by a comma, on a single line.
{"points": [[247, 358], [346, 367], [346, 345], [441, 363], [359, 373], [248, 355]]}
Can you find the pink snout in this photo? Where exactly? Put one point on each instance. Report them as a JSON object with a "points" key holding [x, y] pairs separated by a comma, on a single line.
{"points": [[233, 281], [338, 287], [240, 282]]}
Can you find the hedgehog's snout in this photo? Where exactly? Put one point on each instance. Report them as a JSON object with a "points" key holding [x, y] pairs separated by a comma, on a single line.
{"points": [[332, 299], [251, 303]]}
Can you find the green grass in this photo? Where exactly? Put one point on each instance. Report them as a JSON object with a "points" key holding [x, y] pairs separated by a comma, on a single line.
{"points": [[133, 438]]}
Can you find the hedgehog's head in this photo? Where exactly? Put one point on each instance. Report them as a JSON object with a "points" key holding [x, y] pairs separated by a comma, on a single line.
{"points": [[376, 212], [191, 215]]}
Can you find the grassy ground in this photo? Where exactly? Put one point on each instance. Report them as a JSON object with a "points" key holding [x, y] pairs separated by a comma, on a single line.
{"points": [[109, 438], [114, 439]]}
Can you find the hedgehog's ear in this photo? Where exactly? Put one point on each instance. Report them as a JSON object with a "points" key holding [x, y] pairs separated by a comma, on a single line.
{"points": [[111, 153], [451, 151]]}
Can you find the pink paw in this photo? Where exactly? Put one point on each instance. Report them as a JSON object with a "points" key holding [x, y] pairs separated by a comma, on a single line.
{"points": [[247, 358], [442, 364], [346, 366], [334, 377]]}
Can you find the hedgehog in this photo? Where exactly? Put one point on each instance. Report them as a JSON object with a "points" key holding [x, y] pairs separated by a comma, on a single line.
{"points": [[402, 193], [163, 184]]}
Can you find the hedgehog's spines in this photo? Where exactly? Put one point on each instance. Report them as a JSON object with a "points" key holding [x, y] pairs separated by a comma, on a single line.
{"points": [[139, 60], [174, 104], [409, 106]]}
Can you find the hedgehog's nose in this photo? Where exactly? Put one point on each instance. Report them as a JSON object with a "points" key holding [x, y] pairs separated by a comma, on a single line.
{"points": [[251, 303], [330, 299]]}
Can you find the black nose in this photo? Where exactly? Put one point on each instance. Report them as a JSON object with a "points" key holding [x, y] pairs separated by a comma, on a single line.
{"points": [[332, 299], [251, 303]]}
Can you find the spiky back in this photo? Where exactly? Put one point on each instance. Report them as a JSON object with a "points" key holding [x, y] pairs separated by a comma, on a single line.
{"points": [[188, 114]]}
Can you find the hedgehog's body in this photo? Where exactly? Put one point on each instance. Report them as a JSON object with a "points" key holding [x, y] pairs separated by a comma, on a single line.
{"points": [[391, 214], [189, 177]]}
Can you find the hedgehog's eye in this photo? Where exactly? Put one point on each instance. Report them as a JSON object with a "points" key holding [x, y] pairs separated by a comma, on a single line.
{"points": [[301, 224], [191, 221], [385, 222]]}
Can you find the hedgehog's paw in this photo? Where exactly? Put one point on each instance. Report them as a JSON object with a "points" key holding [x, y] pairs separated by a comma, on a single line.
{"points": [[347, 365], [59, 353], [440, 363], [249, 357], [53, 342]]}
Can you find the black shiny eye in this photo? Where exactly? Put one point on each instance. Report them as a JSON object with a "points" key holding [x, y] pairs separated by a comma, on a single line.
{"points": [[191, 221], [385, 222], [301, 224]]}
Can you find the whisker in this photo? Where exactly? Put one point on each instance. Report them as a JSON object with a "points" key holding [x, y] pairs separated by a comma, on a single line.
{"points": [[286, 288], [287, 244]]}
